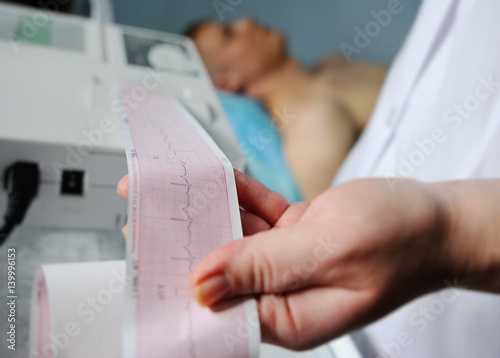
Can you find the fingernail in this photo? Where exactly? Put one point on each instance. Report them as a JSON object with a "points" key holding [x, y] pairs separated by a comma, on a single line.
{"points": [[212, 290]]}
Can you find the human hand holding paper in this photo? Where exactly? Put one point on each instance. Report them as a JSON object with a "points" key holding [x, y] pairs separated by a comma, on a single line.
{"points": [[357, 252], [312, 264]]}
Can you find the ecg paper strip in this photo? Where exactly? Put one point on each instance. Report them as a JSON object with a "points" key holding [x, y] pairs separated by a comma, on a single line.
{"points": [[182, 206], [44, 320]]}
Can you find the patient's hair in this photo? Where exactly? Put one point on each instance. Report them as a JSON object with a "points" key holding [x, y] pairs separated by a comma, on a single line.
{"points": [[193, 28]]}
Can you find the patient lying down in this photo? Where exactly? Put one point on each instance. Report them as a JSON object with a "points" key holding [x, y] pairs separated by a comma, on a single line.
{"points": [[327, 106]]}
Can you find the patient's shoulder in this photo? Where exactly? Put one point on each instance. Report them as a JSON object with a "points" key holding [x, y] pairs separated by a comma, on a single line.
{"points": [[330, 62]]}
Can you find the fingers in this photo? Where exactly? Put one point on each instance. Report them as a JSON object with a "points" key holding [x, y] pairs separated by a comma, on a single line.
{"points": [[274, 261], [125, 231], [123, 185], [252, 224], [257, 199], [293, 214], [310, 317], [122, 189]]}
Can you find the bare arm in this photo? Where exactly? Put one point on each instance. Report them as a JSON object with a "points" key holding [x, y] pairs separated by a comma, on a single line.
{"points": [[356, 85], [316, 143]]}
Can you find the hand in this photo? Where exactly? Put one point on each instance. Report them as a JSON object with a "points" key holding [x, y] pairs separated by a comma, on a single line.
{"points": [[325, 268]]}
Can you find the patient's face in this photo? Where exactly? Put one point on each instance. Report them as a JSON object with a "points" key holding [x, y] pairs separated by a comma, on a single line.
{"points": [[237, 53]]}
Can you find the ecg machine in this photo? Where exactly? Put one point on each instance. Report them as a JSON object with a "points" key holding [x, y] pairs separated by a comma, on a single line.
{"points": [[59, 108], [59, 99]]}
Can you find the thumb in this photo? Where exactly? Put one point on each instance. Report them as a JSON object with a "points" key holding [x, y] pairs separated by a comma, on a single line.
{"points": [[275, 261]]}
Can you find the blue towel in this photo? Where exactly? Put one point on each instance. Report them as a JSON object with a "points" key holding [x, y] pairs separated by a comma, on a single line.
{"points": [[260, 142]]}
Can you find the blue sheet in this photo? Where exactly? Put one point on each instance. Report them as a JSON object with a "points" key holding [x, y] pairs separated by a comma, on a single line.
{"points": [[260, 142]]}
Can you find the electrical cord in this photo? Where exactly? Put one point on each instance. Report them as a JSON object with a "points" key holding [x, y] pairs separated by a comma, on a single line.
{"points": [[21, 181]]}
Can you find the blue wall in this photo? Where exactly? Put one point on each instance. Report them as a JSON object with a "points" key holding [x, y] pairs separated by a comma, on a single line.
{"points": [[315, 28]]}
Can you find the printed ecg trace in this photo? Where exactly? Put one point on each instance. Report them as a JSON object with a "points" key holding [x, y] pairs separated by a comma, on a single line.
{"points": [[180, 213], [190, 258]]}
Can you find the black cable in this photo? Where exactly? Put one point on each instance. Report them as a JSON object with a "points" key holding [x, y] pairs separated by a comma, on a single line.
{"points": [[21, 181]]}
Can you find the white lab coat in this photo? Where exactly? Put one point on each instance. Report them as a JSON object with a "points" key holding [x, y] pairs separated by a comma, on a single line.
{"points": [[438, 118]]}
